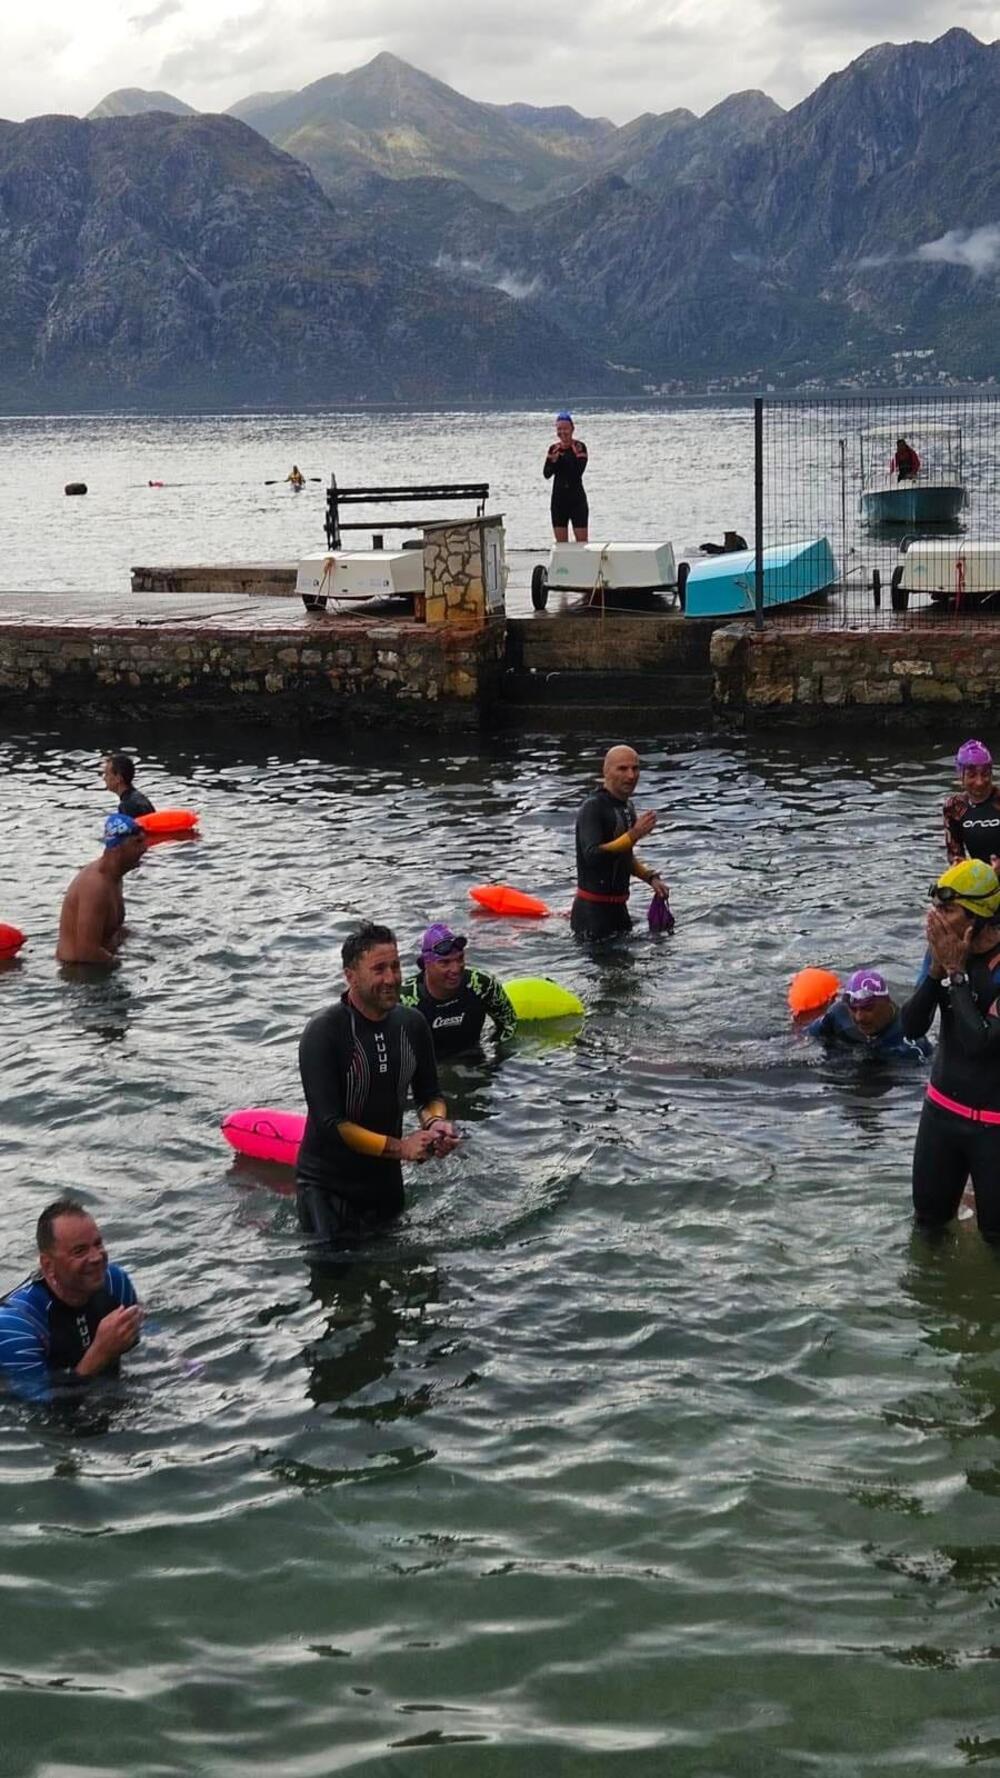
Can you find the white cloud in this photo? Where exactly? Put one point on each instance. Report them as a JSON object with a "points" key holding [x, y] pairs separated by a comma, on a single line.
{"points": [[615, 58], [977, 249]]}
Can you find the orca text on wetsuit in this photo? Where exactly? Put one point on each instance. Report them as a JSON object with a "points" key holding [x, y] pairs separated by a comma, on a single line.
{"points": [[457, 1023], [357, 1074], [972, 830], [959, 1131]]}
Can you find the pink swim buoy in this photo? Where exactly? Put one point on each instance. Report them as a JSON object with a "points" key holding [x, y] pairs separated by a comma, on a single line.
{"points": [[265, 1135]]}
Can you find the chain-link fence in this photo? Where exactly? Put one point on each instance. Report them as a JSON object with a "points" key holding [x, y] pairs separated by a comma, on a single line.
{"points": [[877, 511]]}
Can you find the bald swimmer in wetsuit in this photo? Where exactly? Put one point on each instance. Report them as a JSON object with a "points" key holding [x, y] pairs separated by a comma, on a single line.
{"points": [[359, 1062], [607, 833]]}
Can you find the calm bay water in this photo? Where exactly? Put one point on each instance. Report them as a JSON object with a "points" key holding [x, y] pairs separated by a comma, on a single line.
{"points": [[678, 473], [650, 1440]]}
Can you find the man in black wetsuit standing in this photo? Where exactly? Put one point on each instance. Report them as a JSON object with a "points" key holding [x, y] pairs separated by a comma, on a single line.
{"points": [[959, 1132], [607, 833], [359, 1061], [565, 465]]}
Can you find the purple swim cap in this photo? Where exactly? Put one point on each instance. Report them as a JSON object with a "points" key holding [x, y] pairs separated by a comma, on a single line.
{"points": [[865, 985], [973, 753]]}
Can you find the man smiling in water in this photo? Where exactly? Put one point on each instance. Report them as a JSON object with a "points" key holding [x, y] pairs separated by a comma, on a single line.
{"points": [[456, 1001], [73, 1320], [359, 1062]]}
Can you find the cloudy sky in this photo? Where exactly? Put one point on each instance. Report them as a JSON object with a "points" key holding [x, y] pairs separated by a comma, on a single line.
{"points": [[610, 57]]}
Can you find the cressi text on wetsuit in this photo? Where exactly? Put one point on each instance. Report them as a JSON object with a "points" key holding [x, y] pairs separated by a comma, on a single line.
{"points": [[42, 1339], [837, 1030], [972, 830], [566, 472], [457, 1023], [959, 1131], [357, 1074], [600, 906]]}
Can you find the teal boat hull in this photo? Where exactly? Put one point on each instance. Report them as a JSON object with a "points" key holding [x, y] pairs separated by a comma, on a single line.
{"points": [[724, 586], [913, 505]]}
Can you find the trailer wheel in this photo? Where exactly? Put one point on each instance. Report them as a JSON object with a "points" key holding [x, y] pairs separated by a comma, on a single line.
{"points": [[898, 593], [683, 570], [539, 586], [876, 589], [313, 602]]}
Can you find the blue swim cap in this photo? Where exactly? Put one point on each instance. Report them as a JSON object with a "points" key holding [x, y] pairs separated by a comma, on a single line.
{"points": [[118, 829], [564, 416]]}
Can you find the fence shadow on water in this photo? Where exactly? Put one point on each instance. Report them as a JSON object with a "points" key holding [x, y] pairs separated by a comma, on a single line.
{"points": [[906, 491]]}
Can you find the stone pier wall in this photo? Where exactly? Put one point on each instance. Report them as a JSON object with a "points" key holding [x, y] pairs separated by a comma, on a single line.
{"points": [[351, 673], [906, 674]]}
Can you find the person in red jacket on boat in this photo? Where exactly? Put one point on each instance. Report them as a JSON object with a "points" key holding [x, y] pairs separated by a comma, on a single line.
{"points": [[905, 464]]}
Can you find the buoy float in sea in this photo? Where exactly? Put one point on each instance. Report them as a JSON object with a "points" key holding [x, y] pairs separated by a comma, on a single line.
{"points": [[535, 997], [265, 1135], [811, 991], [500, 898], [11, 939], [167, 821]]}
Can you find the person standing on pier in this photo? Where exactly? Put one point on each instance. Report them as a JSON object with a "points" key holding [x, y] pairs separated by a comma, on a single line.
{"points": [[607, 833], [565, 465]]}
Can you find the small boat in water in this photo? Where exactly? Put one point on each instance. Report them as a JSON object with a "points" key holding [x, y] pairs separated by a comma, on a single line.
{"points": [[725, 586], [922, 484]]}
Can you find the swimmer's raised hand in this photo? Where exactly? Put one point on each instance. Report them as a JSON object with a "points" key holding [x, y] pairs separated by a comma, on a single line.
{"points": [[642, 825]]}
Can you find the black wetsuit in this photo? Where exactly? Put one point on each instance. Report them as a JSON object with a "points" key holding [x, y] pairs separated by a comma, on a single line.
{"points": [[951, 1147], [358, 1071], [972, 830], [569, 502], [132, 802], [457, 1024], [607, 876]]}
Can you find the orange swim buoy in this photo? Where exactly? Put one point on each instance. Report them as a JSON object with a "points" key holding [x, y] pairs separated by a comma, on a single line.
{"points": [[500, 898], [812, 990], [168, 821], [11, 939]]}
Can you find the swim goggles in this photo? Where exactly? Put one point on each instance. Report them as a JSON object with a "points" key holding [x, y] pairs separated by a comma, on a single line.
{"points": [[447, 947], [945, 893]]}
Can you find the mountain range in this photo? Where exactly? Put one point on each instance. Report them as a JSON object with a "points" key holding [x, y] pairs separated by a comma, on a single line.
{"points": [[379, 236]]}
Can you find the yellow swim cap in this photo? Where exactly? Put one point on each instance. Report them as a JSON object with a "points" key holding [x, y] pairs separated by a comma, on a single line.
{"points": [[973, 884]]}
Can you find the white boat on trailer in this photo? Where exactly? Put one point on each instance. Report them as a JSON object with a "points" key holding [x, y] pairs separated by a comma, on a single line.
{"points": [[595, 569], [954, 571]]}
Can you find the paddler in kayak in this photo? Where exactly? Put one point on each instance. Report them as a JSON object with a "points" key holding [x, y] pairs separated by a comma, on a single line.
{"points": [[296, 479], [972, 816], [607, 833]]}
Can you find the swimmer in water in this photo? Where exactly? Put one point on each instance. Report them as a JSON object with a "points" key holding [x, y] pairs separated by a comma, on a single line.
{"points": [[865, 1019], [72, 1321], [119, 778], [360, 1060], [455, 1000], [972, 816], [607, 833], [92, 922]]}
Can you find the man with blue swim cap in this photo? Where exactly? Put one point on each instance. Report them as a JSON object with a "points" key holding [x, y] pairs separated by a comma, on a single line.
{"points": [[92, 922]]}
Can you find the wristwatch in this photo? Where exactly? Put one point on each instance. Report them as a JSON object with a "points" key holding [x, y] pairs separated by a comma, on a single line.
{"points": [[952, 980]]}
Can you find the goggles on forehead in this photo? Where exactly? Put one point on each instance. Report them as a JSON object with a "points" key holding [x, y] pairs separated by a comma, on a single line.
{"points": [[447, 947], [945, 893]]}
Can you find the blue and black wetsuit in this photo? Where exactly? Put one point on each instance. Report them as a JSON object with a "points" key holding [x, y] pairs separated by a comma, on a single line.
{"points": [[357, 1075], [42, 1339], [836, 1029], [959, 1132], [457, 1023]]}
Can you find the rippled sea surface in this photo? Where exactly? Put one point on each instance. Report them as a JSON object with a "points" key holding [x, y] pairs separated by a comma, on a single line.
{"points": [[651, 1440]]}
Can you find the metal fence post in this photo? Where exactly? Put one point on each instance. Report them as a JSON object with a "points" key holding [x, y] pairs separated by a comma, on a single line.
{"points": [[758, 512]]}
